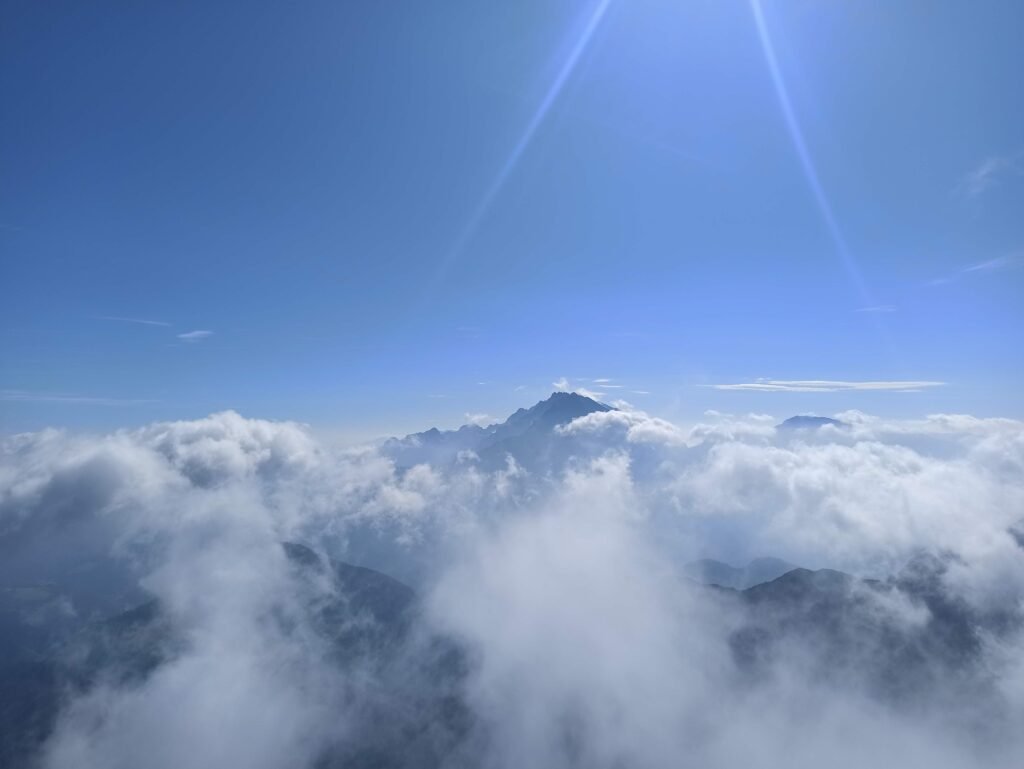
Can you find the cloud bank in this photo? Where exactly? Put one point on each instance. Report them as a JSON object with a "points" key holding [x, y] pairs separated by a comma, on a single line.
{"points": [[579, 643]]}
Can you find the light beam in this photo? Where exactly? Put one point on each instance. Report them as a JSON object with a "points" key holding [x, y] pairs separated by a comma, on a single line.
{"points": [[806, 162], [520, 147]]}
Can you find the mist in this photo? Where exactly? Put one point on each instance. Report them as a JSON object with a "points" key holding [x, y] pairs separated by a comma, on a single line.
{"points": [[548, 619]]}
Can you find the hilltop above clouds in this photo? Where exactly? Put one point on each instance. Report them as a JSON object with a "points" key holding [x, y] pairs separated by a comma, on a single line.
{"points": [[525, 436], [548, 620]]}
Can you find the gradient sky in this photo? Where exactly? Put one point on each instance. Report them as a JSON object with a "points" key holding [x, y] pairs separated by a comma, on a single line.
{"points": [[378, 216]]}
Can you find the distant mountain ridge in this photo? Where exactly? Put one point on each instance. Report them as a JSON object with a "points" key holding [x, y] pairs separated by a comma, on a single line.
{"points": [[842, 629], [364, 617], [900, 640], [711, 572], [809, 422], [525, 436], [528, 436]]}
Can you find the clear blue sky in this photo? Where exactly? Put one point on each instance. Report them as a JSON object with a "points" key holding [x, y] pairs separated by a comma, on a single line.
{"points": [[387, 214]]}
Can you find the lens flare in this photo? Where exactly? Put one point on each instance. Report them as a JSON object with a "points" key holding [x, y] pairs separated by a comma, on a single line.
{"points": [[521, 146], [806, 162]]}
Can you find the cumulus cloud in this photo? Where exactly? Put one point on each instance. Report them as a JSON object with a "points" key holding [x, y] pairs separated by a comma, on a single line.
{"points": [[590, 653], [480, 420], [575, 635], [825, 385], [861, 505], [580, 644], [635, 426], [563, 385]]}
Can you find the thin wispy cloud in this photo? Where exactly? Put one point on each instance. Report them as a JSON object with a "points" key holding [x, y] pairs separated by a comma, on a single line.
{"points": [[140, 321], [998, 263], [990, 172], [825, 385], [27, 396], [980, 268], [878, 308], [194, 336]]}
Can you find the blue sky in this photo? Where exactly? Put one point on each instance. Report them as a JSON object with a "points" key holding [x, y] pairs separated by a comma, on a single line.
{"points": [[387, 215]]}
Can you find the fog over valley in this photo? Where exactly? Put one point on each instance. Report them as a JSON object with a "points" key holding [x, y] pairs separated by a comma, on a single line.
{"points": [[578, 585]]}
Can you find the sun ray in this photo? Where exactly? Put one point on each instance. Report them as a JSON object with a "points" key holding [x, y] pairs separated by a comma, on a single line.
{"points": [[796, 135], [479, 212]]}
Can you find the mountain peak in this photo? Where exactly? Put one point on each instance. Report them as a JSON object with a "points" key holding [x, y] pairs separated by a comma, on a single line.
{"points": [[560, 408], [571, 396], [809, 422], [525, 435]]}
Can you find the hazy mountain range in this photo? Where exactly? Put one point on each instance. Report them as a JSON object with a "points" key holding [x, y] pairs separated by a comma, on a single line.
{"points": [[371, 623], [546, 601], [528, 436]]}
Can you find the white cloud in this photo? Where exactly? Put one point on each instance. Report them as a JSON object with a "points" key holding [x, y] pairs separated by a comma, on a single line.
{"points": [[584, 647], [562, 384], [990, 172], [825, 385], [69, 398], [635, 426], [755, 428], [194, 336], [480, 420], [999, 263], [980, 268], [141, 321], [867, 500], [556, 683]]}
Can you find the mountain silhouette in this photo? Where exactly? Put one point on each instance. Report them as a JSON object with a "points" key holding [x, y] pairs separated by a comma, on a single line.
{"points": [[710, 572], [527, 436], [807, 422]]}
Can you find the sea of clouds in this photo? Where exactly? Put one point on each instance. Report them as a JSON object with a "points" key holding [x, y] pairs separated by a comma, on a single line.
{"points": [[586, 646]]}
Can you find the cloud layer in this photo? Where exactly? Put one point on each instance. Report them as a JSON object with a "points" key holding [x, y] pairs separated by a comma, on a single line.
{"points": [[583, 646], [825, 385]]}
